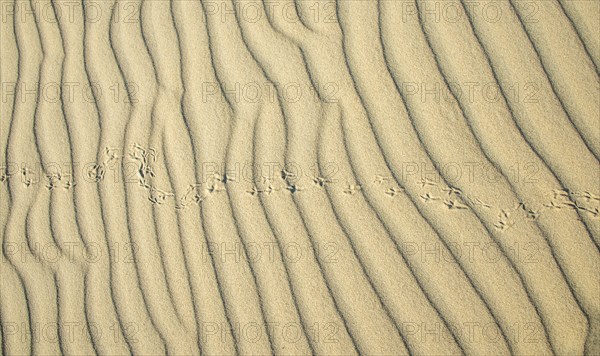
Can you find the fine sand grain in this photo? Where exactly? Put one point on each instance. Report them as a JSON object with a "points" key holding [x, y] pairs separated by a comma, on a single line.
{"points": [[297, 177]]}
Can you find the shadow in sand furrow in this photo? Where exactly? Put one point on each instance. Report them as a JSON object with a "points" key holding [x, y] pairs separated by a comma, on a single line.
{"points": [[300, 130], [538, 158], [300, 125], [379, 253], [189, 173], [105, 71], [585, 25], [572, 78], [532, 275], [317, 307], [207, 126], [322, 233], [195, 259], [14, 310], [83, 126], [350, 41], [442, 222], [271, 143], [70, 268], [575, 255], [271, 275], [426, 133], [297, 125], [320, 72], [36, 279], [68, 276], [221, 210], [161, 37], [543, 123], [369, 106], [163, 221], [122, 219], [167, 226], [241, 138], [152, 256], [70, 294]]}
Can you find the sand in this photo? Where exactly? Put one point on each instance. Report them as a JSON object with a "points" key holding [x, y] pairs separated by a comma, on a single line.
{"points": [[295, 177]]}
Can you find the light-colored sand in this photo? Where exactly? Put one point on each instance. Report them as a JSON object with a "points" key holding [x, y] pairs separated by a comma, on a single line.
{"points": [[300, 177]]}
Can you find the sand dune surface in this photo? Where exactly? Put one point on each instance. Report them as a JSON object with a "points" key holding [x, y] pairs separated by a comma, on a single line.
{"points": [[298, 177]]}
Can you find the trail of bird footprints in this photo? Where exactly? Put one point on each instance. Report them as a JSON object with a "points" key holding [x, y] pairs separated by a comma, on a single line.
{"points": [[451, 197]]}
